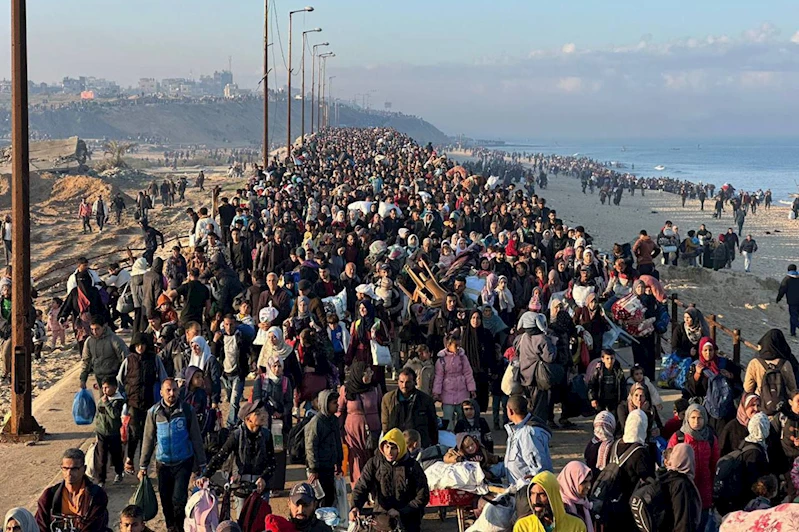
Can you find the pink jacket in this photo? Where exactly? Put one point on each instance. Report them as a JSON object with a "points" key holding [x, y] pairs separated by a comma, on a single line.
{"points": [[454, 379]]}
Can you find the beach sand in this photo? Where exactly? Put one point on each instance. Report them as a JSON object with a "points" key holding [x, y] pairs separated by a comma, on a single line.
{"points": [[740, 300]]}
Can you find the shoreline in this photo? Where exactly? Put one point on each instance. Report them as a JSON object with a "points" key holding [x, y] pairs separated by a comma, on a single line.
{"points": [[740, 300]]}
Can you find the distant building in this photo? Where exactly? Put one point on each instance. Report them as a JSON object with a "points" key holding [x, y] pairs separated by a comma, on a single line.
{"points": [[73, 85], [148, 86]]}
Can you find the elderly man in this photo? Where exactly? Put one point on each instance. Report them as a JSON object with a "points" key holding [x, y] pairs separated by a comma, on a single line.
{"points": [[75, 501]]}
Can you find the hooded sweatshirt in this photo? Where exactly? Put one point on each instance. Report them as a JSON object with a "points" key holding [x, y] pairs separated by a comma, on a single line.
{"points": [[323, 437], [562, 521]]}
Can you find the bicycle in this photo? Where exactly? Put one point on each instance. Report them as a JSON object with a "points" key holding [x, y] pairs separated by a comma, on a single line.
{"points": [[380, 523], [240, 488]]}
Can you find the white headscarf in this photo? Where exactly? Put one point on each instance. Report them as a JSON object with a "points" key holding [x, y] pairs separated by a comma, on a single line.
{"points": [[759, 428], [23, 517], [200, 361], [635, 427]]}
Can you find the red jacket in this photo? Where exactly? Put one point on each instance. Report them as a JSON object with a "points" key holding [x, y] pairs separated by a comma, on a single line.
{"points": [[706, 459]]}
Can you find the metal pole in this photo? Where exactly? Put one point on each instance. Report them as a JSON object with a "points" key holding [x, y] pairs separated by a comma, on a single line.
{"points": [[319, 96], [324, 93], [329, 99], [302, 115], [266, 84], [313, 81], [288, 99], [21, 422]]}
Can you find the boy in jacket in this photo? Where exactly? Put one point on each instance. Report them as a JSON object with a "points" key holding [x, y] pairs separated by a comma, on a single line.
{"points": [[232, 349], [323, 451], [396, 483], [606, 385], [107, 425]]}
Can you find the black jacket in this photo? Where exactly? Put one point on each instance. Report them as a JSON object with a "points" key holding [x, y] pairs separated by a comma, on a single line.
{"points": [[419, 413], [596, 388], [254, 455], [686, 506], [789, 289], [400, 486], [243, 344]]}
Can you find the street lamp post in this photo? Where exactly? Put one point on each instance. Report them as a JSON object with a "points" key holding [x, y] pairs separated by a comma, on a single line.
{"points": [[322, 59], [313, 77], [329, 99], [302, 130], [324, 80], [266, 84], [306, 9]]}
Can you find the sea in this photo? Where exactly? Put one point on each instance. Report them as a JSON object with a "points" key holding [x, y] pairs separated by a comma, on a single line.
{"points": [[745, 164]]}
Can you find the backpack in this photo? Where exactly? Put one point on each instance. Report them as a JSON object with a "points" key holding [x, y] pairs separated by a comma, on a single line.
{"points": [[201, 512], [649, 505], [719, 400], [772, 388], [548, 375], [728, 483], [253, 513], [606, 496], [296, 447]]}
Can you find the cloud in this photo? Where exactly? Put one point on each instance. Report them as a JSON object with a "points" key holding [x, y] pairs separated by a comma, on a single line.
{"points": [[696, 85], [570, 84]]}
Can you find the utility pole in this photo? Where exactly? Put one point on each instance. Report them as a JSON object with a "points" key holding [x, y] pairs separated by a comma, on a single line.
{"points": [[266, 84], [21, 426]]}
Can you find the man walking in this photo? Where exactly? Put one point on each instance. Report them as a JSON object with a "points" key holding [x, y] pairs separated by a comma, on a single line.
{"points": [[748, 247], [98, 209], [172, 431], [789, 289], [118, 205], [232, 349], [103, 353]]}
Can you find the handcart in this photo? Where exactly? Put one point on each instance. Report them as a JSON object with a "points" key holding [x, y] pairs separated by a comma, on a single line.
{"points": [[461, 500]]}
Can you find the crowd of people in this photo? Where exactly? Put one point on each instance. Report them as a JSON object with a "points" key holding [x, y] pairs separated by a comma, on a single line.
{"points": [[366, 258]]}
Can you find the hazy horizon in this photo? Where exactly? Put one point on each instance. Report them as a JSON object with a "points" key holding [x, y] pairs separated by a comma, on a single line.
{"points": [[512, 70]]}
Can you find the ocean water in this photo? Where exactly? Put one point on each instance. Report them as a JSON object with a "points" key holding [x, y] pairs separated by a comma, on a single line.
{"points": [[746, 164]]}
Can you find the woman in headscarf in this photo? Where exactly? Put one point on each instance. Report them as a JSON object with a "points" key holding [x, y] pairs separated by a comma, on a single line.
{"points": [[644, 352], [503, 300], [275, 345], [697, 433], [734, 432], [639, 464], [685, 340], [359, 414], [478, 344], [575, 483], [553, 282], [200, 353], [362, 331], [591, 319], [488, 294], [678, 484], [706, 367], [82, 304], [20, 520], [774, 349], [597, 451], [755, 461]]}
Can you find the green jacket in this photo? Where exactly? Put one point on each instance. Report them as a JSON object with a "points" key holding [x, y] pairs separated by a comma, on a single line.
{"points": [[108, 419]]}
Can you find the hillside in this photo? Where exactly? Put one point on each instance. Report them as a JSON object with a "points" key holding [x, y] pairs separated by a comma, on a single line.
{"points": [[214, 123]]}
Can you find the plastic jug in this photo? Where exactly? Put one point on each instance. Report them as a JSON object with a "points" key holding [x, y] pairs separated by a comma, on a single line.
{"points": [[277, 435]]}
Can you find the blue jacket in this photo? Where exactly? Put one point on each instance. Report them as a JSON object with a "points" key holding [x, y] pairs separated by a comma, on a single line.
{"points": [[527, 450]]}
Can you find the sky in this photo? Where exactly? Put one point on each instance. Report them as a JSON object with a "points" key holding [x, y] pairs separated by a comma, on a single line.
{"points": [[507, 69]]}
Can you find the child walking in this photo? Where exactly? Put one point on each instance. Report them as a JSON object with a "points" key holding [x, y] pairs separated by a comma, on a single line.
{"points": [[53, 326], [39, 335], [108, 423]]}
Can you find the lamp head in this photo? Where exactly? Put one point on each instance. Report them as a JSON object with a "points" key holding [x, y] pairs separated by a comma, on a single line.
{"points": [[308, 9]]}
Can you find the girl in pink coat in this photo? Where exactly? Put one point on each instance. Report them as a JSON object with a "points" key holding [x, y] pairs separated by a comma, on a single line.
{"points": [[454, 381]]}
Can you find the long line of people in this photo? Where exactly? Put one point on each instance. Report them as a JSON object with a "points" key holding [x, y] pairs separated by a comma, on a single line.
{"points": [[366, 257]]}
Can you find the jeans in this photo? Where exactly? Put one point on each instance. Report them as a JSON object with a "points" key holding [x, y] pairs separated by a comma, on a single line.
{"points": [[450, 412], [793, 312], [498, 404], [747, 259], [173, 488], [100, 219], [646, 269], [234, 386], [138, 417]]}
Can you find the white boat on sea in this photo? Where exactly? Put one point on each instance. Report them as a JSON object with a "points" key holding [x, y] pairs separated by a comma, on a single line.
{"points": [[660, 167]]}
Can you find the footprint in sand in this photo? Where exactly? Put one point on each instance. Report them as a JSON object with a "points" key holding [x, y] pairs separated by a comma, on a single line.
{"points": [[763, 306]]}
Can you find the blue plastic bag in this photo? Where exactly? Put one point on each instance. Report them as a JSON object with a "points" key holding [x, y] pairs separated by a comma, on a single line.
{"points": [[83, 408]]}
